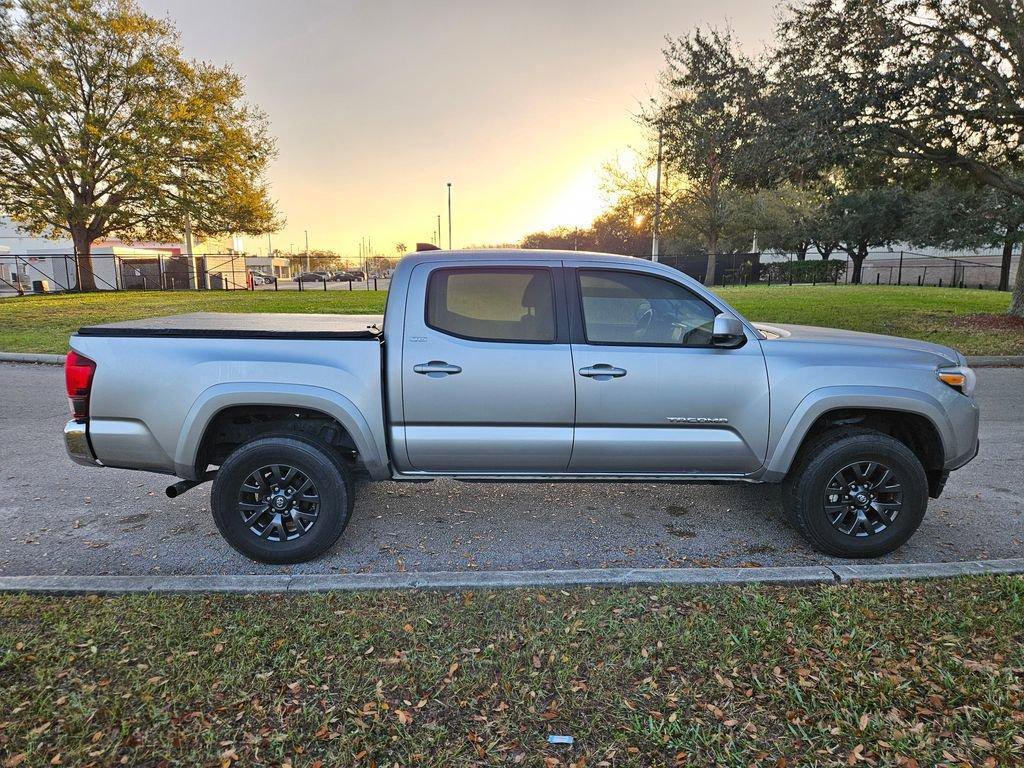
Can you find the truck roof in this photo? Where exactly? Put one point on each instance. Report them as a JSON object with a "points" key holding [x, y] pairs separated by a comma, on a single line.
{"points": [[515, 254]]}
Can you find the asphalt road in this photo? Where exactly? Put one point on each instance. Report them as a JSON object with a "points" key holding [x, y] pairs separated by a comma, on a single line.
{"points": [[61, 518]]}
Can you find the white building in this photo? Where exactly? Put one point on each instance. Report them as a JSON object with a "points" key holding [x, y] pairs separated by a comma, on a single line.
{"points": [[28, 262]]}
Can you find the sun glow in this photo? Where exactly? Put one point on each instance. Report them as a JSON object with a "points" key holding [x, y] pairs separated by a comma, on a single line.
{"points": [[577, 202]]}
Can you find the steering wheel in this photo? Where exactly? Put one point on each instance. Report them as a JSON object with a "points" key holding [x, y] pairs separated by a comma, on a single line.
{"points": [[643, 322]]}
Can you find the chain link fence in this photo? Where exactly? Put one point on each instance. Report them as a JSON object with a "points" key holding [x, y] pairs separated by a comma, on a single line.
{"points": [[969, 270], [64, 272]]}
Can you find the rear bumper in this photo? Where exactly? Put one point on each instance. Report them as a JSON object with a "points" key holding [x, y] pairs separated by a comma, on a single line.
{"points": [[76, 441]]}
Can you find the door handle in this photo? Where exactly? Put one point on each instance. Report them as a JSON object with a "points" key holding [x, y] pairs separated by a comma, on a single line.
{"points": [[602, 372], [436, 368]]}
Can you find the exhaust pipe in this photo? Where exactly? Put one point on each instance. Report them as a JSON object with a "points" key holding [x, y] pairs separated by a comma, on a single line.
{"points": [[173, 491]]}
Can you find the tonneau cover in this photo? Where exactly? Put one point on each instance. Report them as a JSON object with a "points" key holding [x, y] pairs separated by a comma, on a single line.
{"points": [[237, 325]]}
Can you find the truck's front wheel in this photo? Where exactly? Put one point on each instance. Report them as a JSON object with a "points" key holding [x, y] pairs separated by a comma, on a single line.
{"points": [[282, 499], [856, 493]]}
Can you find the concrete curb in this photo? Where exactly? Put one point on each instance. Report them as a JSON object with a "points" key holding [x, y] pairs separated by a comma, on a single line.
{"points": [[978, 361], [31, 357], [996, 361], [596, 577]]}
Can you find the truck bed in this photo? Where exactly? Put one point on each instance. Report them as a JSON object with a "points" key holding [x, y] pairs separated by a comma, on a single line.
{"points": [[238, 325]]}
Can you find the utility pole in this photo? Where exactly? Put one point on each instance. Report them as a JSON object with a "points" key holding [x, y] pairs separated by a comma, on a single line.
{"points": [[270, 250], [657, 200], [439, 230], [449, 215], [307, 250], [188, 249]]}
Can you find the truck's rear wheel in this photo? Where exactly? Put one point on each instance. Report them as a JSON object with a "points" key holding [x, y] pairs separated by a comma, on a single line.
{"points": [[282, 499], [856, 493]]}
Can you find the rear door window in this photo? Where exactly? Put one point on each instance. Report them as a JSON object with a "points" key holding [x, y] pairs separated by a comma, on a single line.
{"points": [[492, 304]]}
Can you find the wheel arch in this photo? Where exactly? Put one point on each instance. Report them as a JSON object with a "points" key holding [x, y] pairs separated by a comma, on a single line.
{"points": [[914, 418], [223, 398]]}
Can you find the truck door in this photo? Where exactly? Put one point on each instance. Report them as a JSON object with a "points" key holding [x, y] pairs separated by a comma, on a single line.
{"points": [[487, 376], [652, 394]]}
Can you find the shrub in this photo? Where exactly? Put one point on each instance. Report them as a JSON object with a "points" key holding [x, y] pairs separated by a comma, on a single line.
{"points": [[817, 271]]}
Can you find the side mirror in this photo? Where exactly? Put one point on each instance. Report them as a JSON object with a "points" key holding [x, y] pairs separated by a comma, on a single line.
{"points": [[727, 332]]}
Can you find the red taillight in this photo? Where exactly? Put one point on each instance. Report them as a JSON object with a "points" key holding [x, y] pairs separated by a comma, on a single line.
{"points": [[78, 372]]}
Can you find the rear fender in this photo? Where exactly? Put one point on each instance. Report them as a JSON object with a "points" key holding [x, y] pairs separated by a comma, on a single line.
{"points": [[372, 452]]}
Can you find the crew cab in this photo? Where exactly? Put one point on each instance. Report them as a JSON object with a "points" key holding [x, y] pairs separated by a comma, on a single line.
{"points": [[522, 366]]}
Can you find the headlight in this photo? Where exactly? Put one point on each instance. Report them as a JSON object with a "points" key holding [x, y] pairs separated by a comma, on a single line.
{"points": [[961, 378]]}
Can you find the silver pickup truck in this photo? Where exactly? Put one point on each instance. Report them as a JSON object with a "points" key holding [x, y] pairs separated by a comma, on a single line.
{"points": [[523, 365]]}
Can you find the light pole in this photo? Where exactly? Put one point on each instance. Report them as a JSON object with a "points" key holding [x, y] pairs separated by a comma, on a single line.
{"points": [[439, 230], [657, 200], [449, 215], [307, 249]]}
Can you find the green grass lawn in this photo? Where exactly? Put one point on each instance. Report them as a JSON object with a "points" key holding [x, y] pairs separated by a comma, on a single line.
{"points": [[873, 674], [947, 316]]}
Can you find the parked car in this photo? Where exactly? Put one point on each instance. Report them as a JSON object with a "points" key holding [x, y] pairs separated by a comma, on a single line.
{"points": [[261, 278], [310, 277], [357, 274], [341, 277], [529, 366]]}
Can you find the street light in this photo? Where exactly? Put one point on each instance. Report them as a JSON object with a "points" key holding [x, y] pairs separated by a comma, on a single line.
{"points": [[657, 199], [449, 215]]}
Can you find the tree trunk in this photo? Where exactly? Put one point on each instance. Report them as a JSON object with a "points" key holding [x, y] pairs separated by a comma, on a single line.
{"points": [[1017, 303], [85, 277], [1004, 266], [712, 248], [826, 252], [801, 252], [858, 257]]}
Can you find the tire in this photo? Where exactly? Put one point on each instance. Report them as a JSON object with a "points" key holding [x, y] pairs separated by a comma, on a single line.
{"points": [[829, 480], [277, 535]]}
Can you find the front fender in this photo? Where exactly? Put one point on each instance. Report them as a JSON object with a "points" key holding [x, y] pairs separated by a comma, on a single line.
{"points": [[370, 445], [820, 401]]}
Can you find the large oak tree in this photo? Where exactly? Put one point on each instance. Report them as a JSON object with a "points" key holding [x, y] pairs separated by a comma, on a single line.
{"points": [[706, 112], [107, 130], [936, 82]]}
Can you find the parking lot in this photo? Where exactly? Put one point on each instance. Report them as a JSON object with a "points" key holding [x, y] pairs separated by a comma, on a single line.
{"points": [[61, 518]]}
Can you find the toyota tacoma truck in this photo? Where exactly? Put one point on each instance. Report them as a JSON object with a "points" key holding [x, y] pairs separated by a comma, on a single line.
{"points": [[522, 366]]}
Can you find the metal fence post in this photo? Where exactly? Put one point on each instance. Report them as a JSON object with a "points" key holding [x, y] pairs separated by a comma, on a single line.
{"points": [[375, 283], [300, 283], [899, 275], [275, 283], [325, 283]]}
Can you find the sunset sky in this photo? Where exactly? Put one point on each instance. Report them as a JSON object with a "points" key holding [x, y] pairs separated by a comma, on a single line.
{"points": [[377, 104]]}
